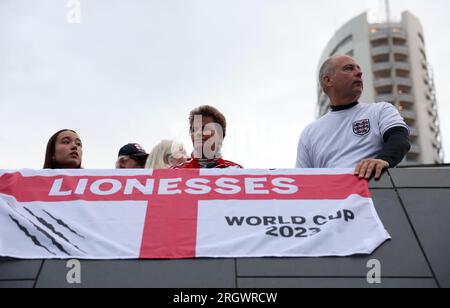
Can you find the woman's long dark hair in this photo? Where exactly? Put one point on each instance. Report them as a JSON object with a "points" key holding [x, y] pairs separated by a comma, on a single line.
{"points": [[49, 162]]}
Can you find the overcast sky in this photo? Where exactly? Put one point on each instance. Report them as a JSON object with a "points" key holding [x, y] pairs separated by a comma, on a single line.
{"points": [[133, 69]]}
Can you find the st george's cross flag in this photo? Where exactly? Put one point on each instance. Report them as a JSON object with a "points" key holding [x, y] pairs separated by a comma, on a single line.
{"points": [[177, 214]]}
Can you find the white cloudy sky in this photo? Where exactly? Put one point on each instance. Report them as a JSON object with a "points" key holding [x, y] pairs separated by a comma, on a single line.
{"points": [[133, 69]]}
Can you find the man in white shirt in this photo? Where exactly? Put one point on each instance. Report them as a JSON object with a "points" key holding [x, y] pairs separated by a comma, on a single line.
{"points": [[367, 137]]}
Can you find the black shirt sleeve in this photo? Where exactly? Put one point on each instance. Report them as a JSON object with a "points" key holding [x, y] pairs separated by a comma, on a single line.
{"points": [[396, 145]]}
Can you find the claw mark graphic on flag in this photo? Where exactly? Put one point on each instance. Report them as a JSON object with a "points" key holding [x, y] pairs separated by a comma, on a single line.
{"points": [[52, 234], [27, 233], [52, 228], [63, 224]]}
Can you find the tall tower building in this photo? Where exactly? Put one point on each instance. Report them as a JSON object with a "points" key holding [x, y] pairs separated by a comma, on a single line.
{"points": [[396, 70]]}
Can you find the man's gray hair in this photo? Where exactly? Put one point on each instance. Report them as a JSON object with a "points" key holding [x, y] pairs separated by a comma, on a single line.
{"points": [[327, 69]]}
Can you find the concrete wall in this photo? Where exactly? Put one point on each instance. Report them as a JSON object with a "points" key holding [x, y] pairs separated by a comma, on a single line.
{"points": [[414, 205]]}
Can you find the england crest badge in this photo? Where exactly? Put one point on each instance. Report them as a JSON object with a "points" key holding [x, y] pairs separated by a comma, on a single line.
{"points": [[361, 128]]}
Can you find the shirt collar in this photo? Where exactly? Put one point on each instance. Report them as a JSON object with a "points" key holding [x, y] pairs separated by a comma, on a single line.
{"points": [[343, 107], [207, 163]]}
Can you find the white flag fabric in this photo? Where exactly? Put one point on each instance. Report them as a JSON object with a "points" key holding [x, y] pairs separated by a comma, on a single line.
{"points": [[177, 214]]}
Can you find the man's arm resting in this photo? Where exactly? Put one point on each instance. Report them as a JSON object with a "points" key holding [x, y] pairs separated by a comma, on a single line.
{"points": [[396, 146]]}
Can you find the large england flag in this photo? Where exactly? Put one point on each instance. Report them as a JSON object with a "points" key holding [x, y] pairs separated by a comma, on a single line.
{"points": [[174, 214]]}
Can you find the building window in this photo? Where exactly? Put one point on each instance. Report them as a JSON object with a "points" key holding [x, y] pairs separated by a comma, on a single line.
{"points": [[344, 42], [421, 38], [424, 55], [412, 157], [406, 105], [400, 57], [380, 42], [404, 90], [399, 41], [402, 73], [424, 66], [386, 90], [381, 58], [382, 74]]}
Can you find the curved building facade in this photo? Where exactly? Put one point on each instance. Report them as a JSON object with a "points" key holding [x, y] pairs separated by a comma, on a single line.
{"points": [[396, 70]]}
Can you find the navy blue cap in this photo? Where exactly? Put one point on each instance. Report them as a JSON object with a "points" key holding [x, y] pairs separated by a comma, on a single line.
{"points": [[133, 149]]}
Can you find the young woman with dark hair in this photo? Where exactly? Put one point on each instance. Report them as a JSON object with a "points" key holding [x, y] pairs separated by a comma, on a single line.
{"points": [[64, 151]]}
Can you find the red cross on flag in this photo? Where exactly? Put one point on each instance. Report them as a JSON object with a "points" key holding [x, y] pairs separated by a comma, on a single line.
{"points": [[175, 214]]}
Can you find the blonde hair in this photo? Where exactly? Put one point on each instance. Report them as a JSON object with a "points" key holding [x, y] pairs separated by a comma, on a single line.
{"points": [[156, 159]]}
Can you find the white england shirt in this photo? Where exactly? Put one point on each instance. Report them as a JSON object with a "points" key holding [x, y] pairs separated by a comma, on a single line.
{"points": [[341, 139]]}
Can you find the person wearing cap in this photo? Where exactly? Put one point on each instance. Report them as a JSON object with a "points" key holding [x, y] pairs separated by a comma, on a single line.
{"points": [[208, 128], [131, 156]]}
